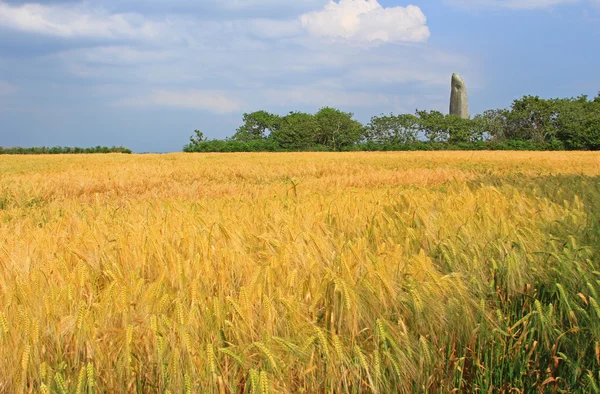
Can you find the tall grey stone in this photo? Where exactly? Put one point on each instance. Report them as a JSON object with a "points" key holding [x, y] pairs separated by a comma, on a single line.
{"points": [[459, 104]]}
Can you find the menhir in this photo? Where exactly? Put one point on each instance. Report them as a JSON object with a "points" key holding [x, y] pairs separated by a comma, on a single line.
{"points": [[459, 104]]}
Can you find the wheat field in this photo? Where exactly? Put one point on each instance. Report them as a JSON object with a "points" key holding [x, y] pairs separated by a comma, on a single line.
{"points": [[430, 272]]}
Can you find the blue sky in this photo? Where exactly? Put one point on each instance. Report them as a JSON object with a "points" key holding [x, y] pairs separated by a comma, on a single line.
{"points": [[146, 73]]}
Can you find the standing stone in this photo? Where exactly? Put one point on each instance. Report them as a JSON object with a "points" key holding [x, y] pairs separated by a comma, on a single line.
{"points": [[459, 104]]}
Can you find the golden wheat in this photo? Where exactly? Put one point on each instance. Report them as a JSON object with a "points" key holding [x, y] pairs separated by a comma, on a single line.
{"points": [[291, 272]]}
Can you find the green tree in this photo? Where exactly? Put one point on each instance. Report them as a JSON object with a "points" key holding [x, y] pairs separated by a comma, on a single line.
{"points": [[532, 118], [337, 129], [257, 125], [462, 130], [393, 129], [433, 125], [578, 123], [296, 131], [437, 127], [493, 124], [197, 138]]}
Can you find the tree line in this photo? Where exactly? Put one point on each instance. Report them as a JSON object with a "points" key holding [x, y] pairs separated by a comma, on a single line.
{"points": [[530, 123], [43, 150]]}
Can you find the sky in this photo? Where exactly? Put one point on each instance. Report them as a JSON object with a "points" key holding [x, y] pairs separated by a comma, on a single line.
{"points": [[146, 73]]}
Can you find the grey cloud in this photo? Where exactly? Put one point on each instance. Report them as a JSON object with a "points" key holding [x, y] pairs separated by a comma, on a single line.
{"points": [[203, 65]]}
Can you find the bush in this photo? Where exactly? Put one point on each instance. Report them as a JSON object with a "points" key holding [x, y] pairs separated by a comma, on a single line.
{"points": [[62, 150], [531, 123]]}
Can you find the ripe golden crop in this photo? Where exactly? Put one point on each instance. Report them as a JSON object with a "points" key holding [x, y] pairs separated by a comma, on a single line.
{"points": [[307, 272]]}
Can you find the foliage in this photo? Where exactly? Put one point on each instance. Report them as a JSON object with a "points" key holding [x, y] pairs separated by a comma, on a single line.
{"points": [[432, 124], [257, 125], [43, 150], [393, 129], [531, 123], [230, 145], [509, 145], [337, 129], [533, 118], [578, 123], [297, 131], [570, 123], [493, 125], [430, 272], [451, 129], [197, 138]]}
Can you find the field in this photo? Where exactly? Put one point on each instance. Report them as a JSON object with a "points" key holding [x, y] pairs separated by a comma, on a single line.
{"points": [[307, 272]]}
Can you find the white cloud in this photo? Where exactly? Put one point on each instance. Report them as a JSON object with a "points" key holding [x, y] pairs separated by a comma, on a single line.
{"points": [[327, 96], [76, 21], [367, 21], [513, 4], [241, 64], [213, 101], [270, 28], [118, 55]]}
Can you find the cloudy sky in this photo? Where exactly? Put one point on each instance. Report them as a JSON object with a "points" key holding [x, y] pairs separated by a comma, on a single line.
{"points": [[146, 73]]}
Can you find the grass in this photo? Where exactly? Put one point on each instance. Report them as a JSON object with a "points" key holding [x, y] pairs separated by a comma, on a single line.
{"points": [[311, 272]]}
